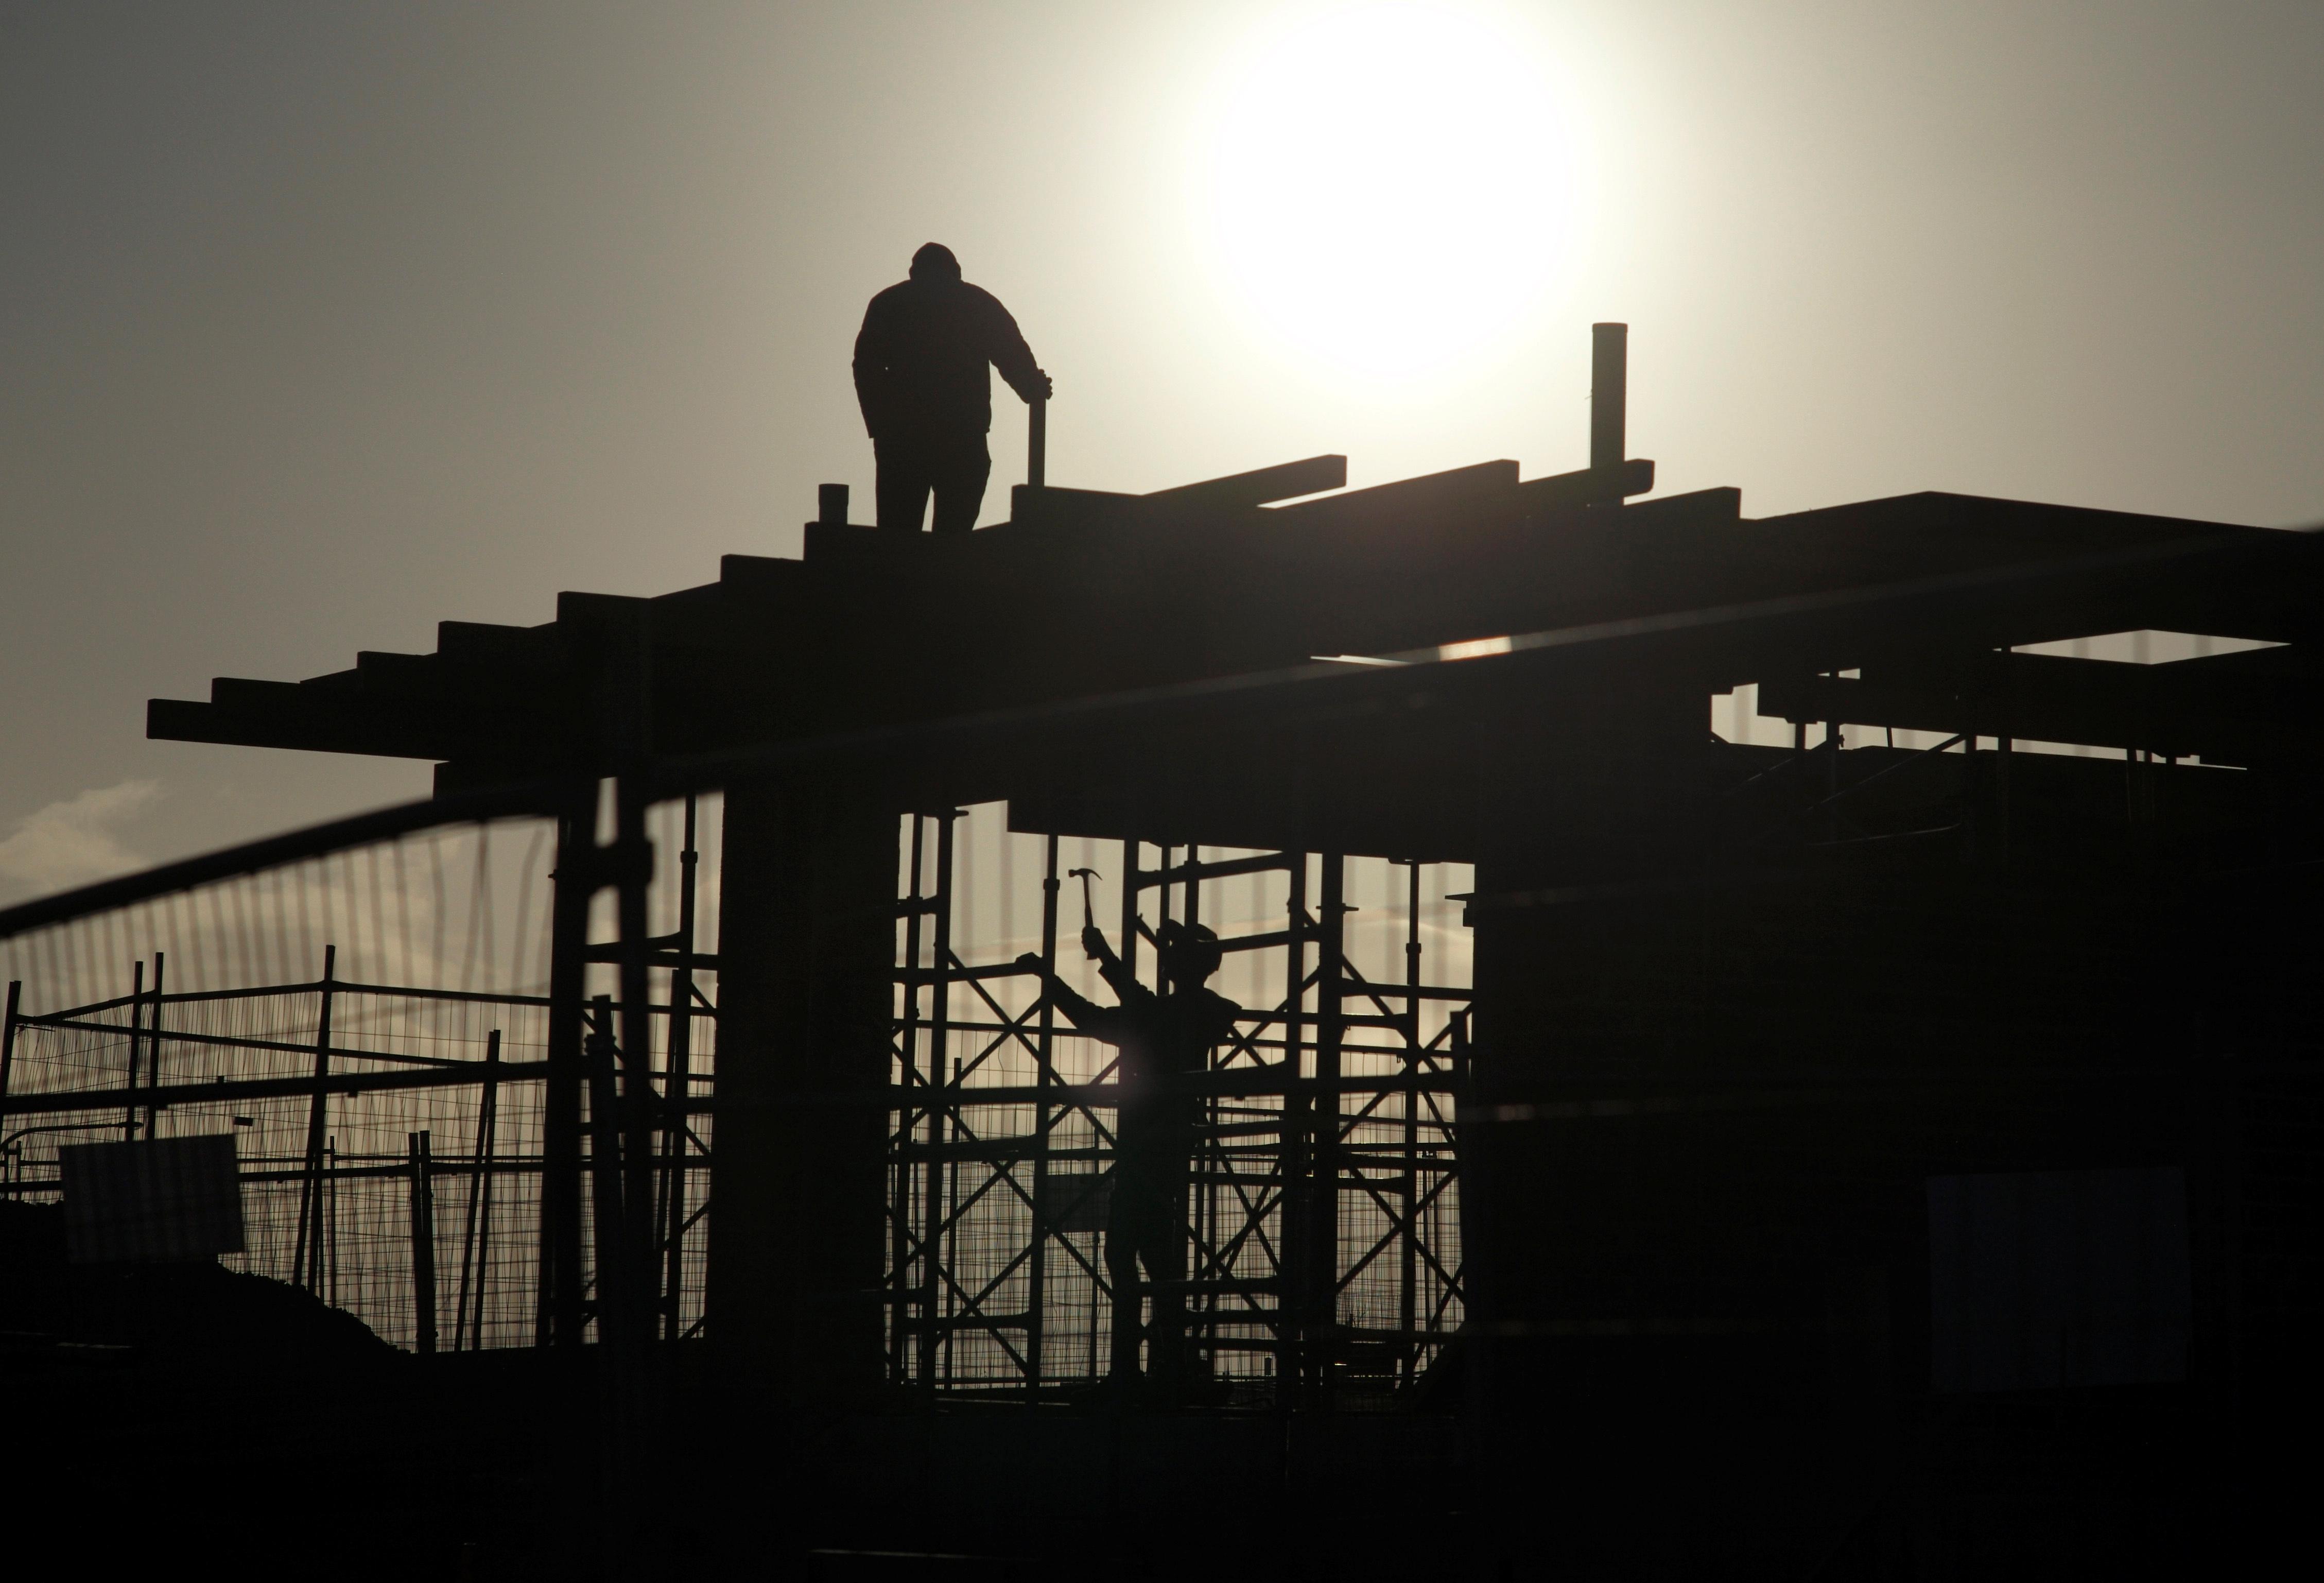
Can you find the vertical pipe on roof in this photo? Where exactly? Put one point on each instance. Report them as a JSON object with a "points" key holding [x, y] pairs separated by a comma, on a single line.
{"points": [[1610, 375]]}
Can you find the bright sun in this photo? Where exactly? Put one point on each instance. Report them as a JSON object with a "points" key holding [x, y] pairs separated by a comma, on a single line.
{"points": [[1386, 186]]}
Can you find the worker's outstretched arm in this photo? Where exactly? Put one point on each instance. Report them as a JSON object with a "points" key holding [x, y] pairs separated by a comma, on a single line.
{"points": [[1096, 1021], [1119, 978], [1005, 347]]}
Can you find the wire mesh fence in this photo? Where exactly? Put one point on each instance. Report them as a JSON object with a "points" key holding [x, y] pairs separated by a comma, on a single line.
{"points": [[372, 1027]]}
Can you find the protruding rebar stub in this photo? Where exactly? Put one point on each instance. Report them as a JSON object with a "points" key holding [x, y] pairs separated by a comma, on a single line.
{"points": [[1609, 379], [831, 505]]}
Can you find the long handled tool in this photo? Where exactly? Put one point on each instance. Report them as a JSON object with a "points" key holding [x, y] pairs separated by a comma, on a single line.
{"points": [[1089, 908]]}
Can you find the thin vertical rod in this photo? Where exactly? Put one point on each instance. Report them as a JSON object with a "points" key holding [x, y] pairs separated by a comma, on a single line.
{"points": [[678, 1086], [1044, 1119], [1469, 1144], [1037, 444], [475, 1238], [307, 1260], [1291, 1141], [137, 1027], [8, 1033], [1323, 1251], [635, 1049], [153, 1039], [1127, 1314], [948, 1169], [1408, 1293], [328, 1238], [939, 1017], [1188, 1235], [1129, 858], [557, 1320], [909, 1049], [422, 1200], [606, 1173]]}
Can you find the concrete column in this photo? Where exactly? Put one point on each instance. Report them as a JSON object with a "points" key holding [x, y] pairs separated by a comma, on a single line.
{"points": [[806, 944]]}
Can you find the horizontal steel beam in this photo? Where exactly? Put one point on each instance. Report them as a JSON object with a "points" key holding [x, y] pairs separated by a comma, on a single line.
{"points": [[1234, 1082], [171, 1094]]}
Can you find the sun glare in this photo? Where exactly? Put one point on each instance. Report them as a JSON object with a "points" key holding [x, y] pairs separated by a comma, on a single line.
{"points": [[1386, 188]]}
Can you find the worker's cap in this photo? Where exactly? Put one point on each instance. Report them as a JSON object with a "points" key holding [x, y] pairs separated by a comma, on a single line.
{"points": [[935, 262], [1190, 945]]}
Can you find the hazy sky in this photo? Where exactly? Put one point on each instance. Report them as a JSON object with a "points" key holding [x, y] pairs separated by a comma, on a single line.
{"points": [[321, 323]]}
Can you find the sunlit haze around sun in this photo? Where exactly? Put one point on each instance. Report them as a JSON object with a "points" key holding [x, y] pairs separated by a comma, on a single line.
{"points": [[1386, 189], [322, 324]]}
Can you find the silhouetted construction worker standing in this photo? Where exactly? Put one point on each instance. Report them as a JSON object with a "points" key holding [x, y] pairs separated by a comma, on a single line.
{"points": [[920, 362], [1166, 1042]]}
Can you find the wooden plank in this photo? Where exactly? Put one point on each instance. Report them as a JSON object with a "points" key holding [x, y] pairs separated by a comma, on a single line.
{"points": [[1455, 488], [873, 628], [1561, 490], [1283, 481]]}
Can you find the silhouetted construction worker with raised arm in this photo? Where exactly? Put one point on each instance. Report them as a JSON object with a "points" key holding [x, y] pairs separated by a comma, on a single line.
{"points": [[1166, 1042], [921, 378]]}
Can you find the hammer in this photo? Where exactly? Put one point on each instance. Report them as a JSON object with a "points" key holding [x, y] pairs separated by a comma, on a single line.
{"points": [[1089, 912]]}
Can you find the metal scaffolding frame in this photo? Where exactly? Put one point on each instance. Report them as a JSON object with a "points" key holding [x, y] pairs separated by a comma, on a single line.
{"points": [[1321, 1223], [1323, 1218]]}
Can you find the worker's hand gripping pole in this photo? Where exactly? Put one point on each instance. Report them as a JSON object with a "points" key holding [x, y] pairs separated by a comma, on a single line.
{"points": [[1037, 442], [1093, 941], [1092, 938]]}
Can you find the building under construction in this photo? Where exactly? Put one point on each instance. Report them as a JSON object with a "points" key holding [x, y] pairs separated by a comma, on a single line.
{"points": [[1768, 1047]]}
